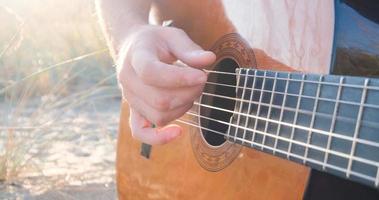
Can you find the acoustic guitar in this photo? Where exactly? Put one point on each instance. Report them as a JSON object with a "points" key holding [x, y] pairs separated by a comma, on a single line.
{"points": [[263, 129]]}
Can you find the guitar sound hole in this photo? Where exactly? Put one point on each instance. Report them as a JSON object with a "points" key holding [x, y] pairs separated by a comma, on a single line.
{"points": [[225, 90]]}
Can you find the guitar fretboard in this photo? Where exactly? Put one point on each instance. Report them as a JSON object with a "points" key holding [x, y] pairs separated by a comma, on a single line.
{"points": [[330, 123]]}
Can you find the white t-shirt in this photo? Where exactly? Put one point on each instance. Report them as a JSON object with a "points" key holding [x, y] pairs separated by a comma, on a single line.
{"points": [[298, 33]]}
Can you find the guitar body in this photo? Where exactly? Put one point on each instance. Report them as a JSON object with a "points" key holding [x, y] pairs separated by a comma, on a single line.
{"points": [[190, 168], [193, 166], [173, 172]]}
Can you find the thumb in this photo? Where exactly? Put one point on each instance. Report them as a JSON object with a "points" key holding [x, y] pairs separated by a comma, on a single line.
{"points": [[143, 130], [185, 50]]}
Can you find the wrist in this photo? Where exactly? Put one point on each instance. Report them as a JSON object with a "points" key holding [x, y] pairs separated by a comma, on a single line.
{"points": [[117, 42]]}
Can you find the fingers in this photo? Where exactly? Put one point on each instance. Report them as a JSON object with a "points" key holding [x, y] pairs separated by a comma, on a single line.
{"points": [[148, 62], [162, 99], [142, 130], [157, 90], [185, 50], [154, 72], [154, 116]]}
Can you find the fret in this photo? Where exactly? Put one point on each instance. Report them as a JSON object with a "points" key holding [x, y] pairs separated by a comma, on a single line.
{"points": [[238, 79], [328, 128], [309, 160], [249, 107], [368, 105], [281, 112], [269, 109], [332, 126], [259, 106], [357, 126], [296, 113], [306, 112], [346, 85], [309, 137], [241, 103], [337, 153], [362, 141]]}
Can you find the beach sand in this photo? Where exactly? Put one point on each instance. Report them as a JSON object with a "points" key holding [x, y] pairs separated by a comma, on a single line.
{"points": [[72, 158]]}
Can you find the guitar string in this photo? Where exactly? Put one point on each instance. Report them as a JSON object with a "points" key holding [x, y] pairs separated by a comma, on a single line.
{"points": [[307, 112], [303, 144], [295, 80], [334, 167], [296, 95], [300, 96], [351, 120], [362, 141]]}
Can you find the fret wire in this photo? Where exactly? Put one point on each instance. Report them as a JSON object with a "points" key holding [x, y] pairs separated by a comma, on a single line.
{"points": [[332, 126], [337, 153], [249, 107], [377, 177], [342, 118], [308, 81], [259, 107], [362, 141], [309, 137], [296, 112], [281, 111], [234, 113], [357, 126], [306, 96], [343, 170], [269, 108], [241, 103], [318, 162]]}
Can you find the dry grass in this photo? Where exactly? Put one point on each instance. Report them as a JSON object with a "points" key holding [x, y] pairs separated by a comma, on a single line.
{"points": [[53, 62]]}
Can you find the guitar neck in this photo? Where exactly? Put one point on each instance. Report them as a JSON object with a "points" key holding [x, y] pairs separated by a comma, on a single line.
{"points": [[328, 122]]}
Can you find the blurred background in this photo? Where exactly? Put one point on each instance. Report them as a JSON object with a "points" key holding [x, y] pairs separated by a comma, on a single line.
{"points": [[59, 102]]}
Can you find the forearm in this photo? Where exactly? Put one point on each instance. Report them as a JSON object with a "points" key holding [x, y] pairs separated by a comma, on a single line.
{"points": [[118, 18]]}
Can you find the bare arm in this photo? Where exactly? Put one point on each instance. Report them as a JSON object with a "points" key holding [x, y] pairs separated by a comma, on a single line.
{"points": [[118, 18]]}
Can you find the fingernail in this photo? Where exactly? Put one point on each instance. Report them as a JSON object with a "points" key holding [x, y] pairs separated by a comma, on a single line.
{"points": [[175, 133], [201, 79], [178, 133], [197, 80], [198, 53]]}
